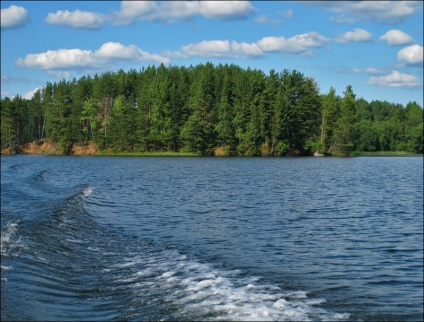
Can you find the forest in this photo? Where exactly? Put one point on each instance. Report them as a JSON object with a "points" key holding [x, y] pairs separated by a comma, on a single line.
{"points": [[209, 110]]}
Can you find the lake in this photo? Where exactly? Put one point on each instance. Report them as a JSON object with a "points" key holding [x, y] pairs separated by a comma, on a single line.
{"points": [[130, 238]]}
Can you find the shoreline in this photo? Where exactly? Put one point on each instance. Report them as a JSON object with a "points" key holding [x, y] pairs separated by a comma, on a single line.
{"points": [[190, 154], [49, 148]]}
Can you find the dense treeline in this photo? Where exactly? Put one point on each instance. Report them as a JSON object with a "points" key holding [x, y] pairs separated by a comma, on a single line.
{"points": [[209, 109]]}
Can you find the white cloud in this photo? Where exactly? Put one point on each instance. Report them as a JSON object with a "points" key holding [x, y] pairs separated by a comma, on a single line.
{"points": [[297, 44], [58, 59], [412, 55], [396, 37], [357, 35], [226, 10], [211, 48], [172, 11], [115, 50], [30, 94], [133, 10], [369, 70], [268, 20], [395, 79], [300, 44], [13, 17], [108, 53], [76, 19], [392, 12], [243, 49], [221, 49]]}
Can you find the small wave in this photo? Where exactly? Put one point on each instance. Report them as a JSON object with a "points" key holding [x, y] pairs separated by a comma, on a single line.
{"points": [[16, 167], [42, 176], [9, 243]]}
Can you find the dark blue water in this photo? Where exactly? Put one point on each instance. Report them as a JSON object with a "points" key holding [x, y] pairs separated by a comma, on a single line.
{"points": [[127, 238]]}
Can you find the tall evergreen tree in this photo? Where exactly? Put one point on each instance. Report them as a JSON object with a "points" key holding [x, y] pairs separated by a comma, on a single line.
{"points": [[346, 131], [330, 111]]}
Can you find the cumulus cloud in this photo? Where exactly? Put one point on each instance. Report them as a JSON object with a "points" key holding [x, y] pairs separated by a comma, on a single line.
{"points": [[244, 49], [77, 58], [212, 48], [172, 11], [392, 12], [76, 19], [268, 20], [300, 44], [357, 35], [58, 59], [13, 17], [30, 94], [225, 10], [221, 49], [396, 37], [115, 50], [412, 55], [395, 79]]}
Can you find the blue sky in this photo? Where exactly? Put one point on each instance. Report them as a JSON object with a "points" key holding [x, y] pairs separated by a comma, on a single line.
{"points": [[375, 46]]}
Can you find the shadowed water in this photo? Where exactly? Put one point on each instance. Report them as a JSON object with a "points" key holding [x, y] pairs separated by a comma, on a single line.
{"points": [[109, 238]]}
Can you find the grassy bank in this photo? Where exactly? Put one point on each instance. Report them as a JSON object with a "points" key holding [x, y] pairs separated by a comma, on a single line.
{"points": [[381, 153], [147, 154]]}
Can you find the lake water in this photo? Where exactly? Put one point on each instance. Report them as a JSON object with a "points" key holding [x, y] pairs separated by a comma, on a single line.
{"points": [[129, 238]]}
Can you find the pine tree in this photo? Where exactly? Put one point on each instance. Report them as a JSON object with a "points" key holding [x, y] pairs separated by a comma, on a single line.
{"points": [[346, 131], [330, 110]]}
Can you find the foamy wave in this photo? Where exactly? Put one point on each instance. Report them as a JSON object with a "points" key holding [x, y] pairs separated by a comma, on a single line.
{"points": [[87, 192], [198, 291], [9, 243]]}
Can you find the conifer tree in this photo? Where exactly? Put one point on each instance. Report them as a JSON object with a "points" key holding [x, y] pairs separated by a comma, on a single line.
{"points": [[346, 131]]}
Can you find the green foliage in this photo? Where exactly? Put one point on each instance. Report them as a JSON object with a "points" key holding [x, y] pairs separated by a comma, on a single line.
{"points": [[282, 148], [206, 109], [346, 131]]}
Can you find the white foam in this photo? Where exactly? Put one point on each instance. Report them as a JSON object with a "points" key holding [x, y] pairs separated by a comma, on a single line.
{"points": [[296, 295], [87, 192], [197, 290], [9, 243], [76, 241], [167, 274]]}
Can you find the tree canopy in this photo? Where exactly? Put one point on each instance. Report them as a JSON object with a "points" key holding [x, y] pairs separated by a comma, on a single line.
{"points": [[207, 108]]}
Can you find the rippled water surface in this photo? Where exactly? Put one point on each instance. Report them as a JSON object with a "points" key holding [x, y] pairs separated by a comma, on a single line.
{"points": [[110, 238]]}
